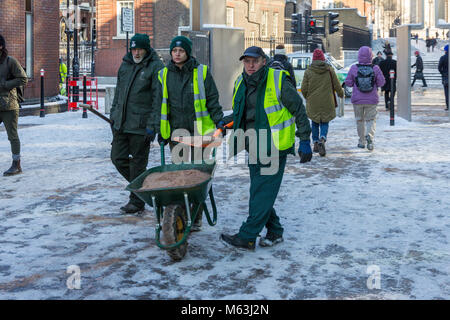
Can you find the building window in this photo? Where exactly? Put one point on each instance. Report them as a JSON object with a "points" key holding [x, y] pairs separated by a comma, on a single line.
{"points": [[252, 5], [230, 17], [275, 24], [29, 38], [120, 5], [265, 15]]}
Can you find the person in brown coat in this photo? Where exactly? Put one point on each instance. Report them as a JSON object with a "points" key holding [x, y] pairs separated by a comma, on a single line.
{"points": [[12, 76], [318, 88]]}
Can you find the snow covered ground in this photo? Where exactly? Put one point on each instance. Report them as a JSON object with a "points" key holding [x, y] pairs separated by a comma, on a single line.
{"points": [[345, 216]]}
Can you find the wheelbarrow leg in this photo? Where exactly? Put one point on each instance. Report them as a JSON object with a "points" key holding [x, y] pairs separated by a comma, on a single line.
{"points": [[213, 221]]}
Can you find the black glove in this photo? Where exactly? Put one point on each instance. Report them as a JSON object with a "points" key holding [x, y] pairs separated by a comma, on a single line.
{"points": [[149, 135], [162, 141]]}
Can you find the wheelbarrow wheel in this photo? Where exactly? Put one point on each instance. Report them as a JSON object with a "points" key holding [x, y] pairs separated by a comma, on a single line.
{"points": [[173, 227]]}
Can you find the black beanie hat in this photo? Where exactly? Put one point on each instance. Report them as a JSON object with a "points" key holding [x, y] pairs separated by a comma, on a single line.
{"points": [[2, 41], [140, 40], [183, 42]]}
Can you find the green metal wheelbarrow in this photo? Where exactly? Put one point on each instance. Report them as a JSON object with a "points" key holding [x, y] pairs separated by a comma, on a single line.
{"points": [[177, 207]]}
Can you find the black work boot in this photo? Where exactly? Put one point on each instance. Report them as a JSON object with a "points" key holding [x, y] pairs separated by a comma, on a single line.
{"points": [[15, 169], [235, 241], [270, 239], [130, 208]]}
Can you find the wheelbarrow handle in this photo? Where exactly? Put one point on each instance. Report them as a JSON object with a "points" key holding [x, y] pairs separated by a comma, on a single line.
{"points": [[219, 130], [163, 156]]}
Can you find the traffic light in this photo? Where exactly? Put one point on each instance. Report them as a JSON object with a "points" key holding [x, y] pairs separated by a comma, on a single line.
{"points": [[296, 23], [312, 25], [332, 22]]}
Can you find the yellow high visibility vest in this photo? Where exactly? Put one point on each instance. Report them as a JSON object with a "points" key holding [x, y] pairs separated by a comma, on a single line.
{"points": [[204, 122], [281, 121]]}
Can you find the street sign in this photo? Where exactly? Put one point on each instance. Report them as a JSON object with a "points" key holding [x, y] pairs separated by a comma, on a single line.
{"points": [[127, 20]]}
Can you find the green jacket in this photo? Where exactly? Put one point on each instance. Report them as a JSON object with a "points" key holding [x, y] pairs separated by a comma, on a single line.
{"points": [[318, 91], [136, 101], [181, 97], [12, 76], [248, 111]]}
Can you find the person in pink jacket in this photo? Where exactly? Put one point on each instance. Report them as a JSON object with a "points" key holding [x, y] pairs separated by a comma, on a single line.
{"points": [[365, 78]]}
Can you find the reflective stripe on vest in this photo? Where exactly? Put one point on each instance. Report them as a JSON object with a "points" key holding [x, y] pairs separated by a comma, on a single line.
{"points": [[204, 122], [164, 123], [237, 83], [281, 121]]}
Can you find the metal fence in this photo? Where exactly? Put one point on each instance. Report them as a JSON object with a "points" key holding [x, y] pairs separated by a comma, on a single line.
{"points": [[84, 56], [291, 44]]}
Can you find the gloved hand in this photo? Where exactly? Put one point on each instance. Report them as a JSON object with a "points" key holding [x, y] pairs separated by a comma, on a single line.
{"points": [[162, 141], [221, 125], [149, 135], [304, 151]]}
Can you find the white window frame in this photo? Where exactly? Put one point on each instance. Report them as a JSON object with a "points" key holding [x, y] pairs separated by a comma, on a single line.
{"points": [[252, 5], [264, 22], [29, 39], [230, 17], [119, 5], [275, 24]]}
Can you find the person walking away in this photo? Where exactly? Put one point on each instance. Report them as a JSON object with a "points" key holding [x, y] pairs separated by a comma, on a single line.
{"points": [[62, 77], [318, 88], [365, 78], [134, 106], [386, 66], [12, 76], [428, 44], [190, 101], [378, 58], [267, 104], [433, 43], [419, 70], [280, 61], [443, 69]]}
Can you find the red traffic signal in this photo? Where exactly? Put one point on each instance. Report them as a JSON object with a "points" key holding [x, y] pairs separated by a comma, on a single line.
{"points": [[312, 23]]}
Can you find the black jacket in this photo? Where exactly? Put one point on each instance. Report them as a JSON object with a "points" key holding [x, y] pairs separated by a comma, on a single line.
{"points": [[386, 66], [287, 66], [443, 68], [418, 64]]}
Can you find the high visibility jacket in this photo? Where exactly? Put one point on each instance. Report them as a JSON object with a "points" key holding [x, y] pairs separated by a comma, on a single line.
{"points": [[62, 72], [281, 121], [204, 122]]}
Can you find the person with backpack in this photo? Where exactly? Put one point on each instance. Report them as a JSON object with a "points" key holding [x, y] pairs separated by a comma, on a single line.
{"points": [[318, 87], [419, 70], [443, 69], [386, 66], [280, 62], [12, 77], [365, 78]]}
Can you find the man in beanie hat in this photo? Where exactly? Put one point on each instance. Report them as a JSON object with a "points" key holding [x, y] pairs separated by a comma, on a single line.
{"points": [[280, 61], [419, 70], [134, 106], [386, 66], [443, 69], [266, 105], [12, 76], [318, 88]]}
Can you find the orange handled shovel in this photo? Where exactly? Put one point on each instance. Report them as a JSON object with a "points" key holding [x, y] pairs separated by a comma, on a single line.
{"points": [[203, 141]]}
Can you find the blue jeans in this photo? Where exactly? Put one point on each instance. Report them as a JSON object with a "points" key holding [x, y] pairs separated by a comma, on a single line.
{"points": [[323, 126]]}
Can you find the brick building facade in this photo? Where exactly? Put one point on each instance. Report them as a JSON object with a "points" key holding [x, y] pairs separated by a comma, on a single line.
{"points": [[258, 18], [33, 41]]}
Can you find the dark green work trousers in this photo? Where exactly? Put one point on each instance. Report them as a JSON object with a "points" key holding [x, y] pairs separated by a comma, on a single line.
{"points": [[10, 119], [263, 193], [129, 153]]}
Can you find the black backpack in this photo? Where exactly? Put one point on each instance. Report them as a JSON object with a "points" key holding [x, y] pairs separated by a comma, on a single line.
{"points": [[365, 79]]}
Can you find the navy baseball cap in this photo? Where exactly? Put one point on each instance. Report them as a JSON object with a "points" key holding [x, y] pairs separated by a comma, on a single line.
{"points": [[254, 52]]}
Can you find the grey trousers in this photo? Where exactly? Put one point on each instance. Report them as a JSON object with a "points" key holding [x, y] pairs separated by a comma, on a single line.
{"points": [[366, 118]]}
